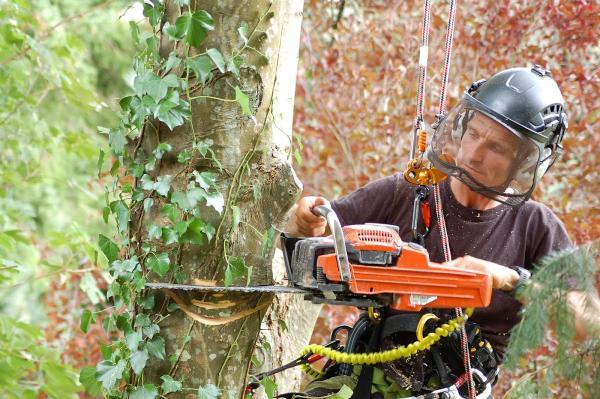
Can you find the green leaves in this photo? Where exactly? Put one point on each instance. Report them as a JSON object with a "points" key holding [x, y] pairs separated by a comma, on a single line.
{"points": [[242, 99], [153, 11], [236, 268], [170, 385], [269, 385], [201, 66], [191, 27], [86, 319], [121, 212], [208, 391], [87, 378], [216, 56], [159, 264], [156, 347], [148, 391], [162, 185], [138, 361], [152, 84], [108, 248], [108, 373]]}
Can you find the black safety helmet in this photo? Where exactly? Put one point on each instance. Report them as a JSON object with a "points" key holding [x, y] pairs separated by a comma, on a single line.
{"points": [[525, 101]]}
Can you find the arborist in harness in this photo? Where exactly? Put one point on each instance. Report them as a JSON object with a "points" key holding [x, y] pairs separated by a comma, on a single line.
{"points": [[495, 146]]}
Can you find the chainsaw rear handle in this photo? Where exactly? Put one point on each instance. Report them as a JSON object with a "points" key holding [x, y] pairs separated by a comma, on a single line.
{"points": [[338, 238]]}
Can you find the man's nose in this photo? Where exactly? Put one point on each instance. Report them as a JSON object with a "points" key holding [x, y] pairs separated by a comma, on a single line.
{"points": [[477, 153]]}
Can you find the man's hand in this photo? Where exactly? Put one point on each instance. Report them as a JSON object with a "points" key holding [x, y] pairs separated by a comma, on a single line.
{"points": [[303, 222], [503, 278]]}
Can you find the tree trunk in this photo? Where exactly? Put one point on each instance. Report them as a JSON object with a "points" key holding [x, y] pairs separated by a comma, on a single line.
{"points": [[210, 339]]}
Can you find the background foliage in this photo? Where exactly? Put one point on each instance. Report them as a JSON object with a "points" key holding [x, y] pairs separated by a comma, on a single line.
{"points": [[61, 64], [64, 62]]}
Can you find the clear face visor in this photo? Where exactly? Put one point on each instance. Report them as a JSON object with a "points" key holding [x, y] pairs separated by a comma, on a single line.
{"points": [[487, 156]]}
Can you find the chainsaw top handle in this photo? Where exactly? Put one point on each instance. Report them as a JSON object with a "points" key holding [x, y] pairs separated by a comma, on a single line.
{"points": [[338, 237]]}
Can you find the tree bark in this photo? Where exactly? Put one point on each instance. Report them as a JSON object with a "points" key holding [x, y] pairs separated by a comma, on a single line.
{"points": [[208, 344]]}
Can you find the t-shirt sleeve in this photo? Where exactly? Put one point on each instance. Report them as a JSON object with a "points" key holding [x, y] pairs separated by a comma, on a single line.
{"points": [[372, 203], [549, 236]]}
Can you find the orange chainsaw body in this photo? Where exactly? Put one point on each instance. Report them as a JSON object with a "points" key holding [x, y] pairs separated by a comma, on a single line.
{"points": [[414, 281]]}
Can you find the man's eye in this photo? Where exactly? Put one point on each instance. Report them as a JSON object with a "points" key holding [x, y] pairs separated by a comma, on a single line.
{"points": [[473, 134], [498, 149]]}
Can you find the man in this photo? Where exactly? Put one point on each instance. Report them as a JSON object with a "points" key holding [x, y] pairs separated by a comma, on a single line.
{"points": [[495, 146]]}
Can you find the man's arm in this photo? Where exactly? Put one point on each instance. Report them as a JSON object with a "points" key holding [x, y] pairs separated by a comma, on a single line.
{"points": [[584, 306]]}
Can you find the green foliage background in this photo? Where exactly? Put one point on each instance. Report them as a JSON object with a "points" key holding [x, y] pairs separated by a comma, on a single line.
{"points": [[61, 65]]}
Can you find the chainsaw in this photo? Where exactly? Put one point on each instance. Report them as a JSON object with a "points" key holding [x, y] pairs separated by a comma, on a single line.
{"points": [[368, 265]]}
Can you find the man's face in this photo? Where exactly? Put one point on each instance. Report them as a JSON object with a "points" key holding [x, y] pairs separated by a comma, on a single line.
{"points": [[487, 151]]}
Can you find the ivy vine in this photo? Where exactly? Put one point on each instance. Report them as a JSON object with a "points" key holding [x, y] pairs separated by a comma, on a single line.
{"points": [[163, 91]]}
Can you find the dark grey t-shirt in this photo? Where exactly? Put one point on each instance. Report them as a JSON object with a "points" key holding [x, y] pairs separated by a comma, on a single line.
{"points": [[504, 235]]}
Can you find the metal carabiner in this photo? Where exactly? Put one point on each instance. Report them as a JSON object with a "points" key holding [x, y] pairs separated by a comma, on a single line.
{"points": [[421, 203]]}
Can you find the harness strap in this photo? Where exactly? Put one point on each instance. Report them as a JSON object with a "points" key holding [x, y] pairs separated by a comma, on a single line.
{"points": [[365, 381]]}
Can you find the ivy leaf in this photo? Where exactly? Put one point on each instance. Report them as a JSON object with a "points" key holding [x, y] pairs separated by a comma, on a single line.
{"points": [[193, 233], [148, 391], [138, 361], [153, 12], [269, 385], [169, 236], [142, 320], [109, 373], [151, 330], [171, 114], [234, 65], [86, 319], [148, 202], [193, 27], [146, 302], [201, 66], [205, 179], [209, 230], [87, 378], [170, 385], [181, 200], [154, 232], [156, 347], [208, 391], [151, 84], [121, 212], [108, 248], [243, 100], [181, 227], [243, 32], [161, 149], [184, 156], [163, 185], [100, 162], [216, 56], [203, 146], [172, 62], [147, 183], [215, 200], [236, 268], [159, 264], [171, 212], [117, 141], [133, 339]]}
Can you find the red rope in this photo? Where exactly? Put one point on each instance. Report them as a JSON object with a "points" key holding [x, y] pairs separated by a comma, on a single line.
{"points": [[447, 257], [447, 56]]}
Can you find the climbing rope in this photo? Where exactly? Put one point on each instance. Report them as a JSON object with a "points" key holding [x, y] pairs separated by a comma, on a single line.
{"points": [[389, 355]]}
